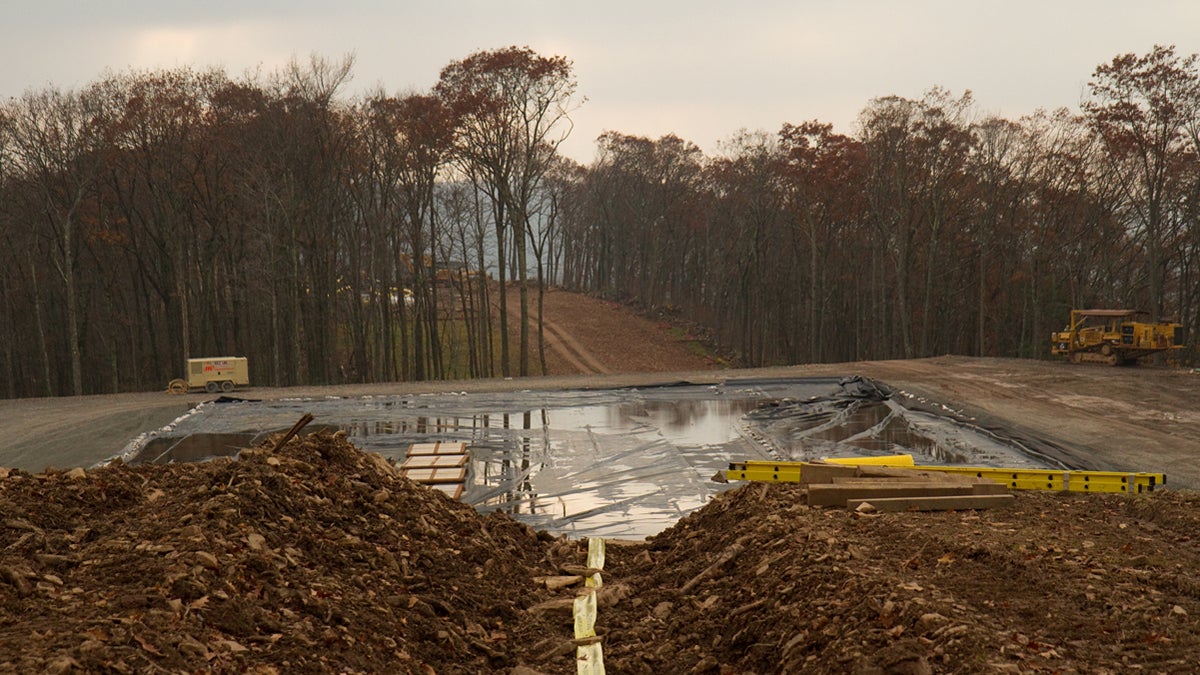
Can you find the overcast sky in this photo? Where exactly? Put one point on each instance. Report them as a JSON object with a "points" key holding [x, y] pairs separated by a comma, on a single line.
{"points": [[701, 70]]}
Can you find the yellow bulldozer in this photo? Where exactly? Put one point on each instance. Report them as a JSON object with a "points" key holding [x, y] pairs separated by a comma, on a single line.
{"points": [[1113, 337]]}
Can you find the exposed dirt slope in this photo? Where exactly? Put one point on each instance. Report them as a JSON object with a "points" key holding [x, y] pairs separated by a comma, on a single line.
{"points": [[319, 558], [589, 336]]}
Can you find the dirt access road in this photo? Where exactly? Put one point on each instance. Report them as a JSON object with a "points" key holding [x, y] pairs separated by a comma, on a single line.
{"points": [[1136, 419]]}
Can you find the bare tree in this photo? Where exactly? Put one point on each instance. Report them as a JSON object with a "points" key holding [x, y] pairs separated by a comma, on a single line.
{"points": [[512, 107], [9, 266], [823, 173], [57, 143], [542, 230], [1142, 107]]}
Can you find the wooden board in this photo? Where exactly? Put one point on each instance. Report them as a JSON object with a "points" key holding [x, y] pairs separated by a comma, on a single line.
{"points": [[839, 495], [979, 486], [892, 472], [818, 473], [888, 480], [975, 486], [812, 473], [434, 461], [949, 503], [438, 448], [440, 475]]}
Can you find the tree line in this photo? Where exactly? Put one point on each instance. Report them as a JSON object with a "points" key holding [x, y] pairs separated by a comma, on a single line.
{"points": [[154, 216], [931, 230]]}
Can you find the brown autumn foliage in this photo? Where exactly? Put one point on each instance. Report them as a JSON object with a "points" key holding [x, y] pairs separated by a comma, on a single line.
{"points": [[152, 216]]}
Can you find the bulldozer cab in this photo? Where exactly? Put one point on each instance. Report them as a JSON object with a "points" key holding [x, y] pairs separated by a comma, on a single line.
{"points": [[1101, 322]]}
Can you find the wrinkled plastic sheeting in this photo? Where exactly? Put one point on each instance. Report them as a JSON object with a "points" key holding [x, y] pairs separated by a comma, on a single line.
{"points": [[627, 463], [865, 419]]}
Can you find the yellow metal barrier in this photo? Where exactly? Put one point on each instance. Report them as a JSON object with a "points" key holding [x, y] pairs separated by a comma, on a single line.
{"points": [[1016, 479], [882, 460]]}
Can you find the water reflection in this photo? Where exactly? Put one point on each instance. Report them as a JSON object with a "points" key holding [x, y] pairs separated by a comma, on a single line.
{"points": [[418, 425], [689, 422]]}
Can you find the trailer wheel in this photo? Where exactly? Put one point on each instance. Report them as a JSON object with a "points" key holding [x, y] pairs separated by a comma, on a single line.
{"points": [[177, 386], [211, 386], [227, 386]]}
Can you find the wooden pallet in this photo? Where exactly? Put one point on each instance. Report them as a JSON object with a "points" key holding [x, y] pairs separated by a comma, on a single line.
{"points": [[440, 465]]}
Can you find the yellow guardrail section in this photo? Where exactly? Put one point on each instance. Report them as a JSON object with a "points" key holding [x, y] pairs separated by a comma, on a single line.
{"points": [[882, 460], [1017, 479]]}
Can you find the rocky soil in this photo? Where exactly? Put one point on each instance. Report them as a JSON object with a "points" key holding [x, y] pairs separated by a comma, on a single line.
{"points": [[319, 558]]}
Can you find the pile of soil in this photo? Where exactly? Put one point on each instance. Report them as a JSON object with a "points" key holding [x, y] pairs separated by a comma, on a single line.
{"points": [[317, 557], [756, 581], [314, 558]]}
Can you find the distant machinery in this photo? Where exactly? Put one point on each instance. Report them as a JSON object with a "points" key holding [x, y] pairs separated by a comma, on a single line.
{"points": [[1113, 337]]}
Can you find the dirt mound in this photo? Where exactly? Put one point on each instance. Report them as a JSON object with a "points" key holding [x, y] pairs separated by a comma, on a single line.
{"points": [[320, 558], [758, 582], [316, 558]]}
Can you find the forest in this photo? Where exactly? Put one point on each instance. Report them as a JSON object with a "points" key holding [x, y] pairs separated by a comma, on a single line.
{"points": [[153, 216]]}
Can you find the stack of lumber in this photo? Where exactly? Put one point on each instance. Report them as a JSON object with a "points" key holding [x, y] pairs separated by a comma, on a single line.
{"points": [[888, 489]]}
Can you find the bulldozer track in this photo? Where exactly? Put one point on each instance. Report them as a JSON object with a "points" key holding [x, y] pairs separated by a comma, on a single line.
{"points": [[569, 348]]}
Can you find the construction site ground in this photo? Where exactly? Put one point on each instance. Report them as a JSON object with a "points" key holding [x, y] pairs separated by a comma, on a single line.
{"points": [[319, 558]]}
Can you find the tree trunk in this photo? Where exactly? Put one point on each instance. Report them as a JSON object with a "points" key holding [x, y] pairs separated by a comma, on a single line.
{"points": [[297, 367], [73, 338], [40, 325], [814, 332], [501, 263], [982, 299], [904, 316], [437, 370], [10, 341], [541, 306], [520, 241], [484, 309]]}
